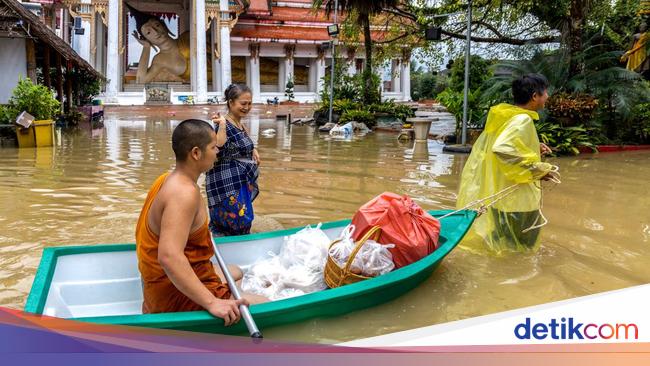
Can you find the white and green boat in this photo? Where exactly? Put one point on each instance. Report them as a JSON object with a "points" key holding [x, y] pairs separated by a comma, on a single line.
{"points": [[101, 283]]}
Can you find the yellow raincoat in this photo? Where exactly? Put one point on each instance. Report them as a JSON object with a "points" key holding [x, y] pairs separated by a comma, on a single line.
{"points": [[506, 153]]}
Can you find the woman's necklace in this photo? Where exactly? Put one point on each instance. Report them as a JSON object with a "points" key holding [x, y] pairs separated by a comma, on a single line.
{"points": [[234, 122]]}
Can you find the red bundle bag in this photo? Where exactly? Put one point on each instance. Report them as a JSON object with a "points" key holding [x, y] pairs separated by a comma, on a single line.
{"points": [[403, 223]]}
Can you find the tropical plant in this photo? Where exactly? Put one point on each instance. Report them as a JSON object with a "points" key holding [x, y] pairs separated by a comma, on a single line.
{"points": [[571, 109], [4, 115], [403, 111], [616, 88], [638, 130], [479, 72], [363, 9], [427, 85], [288, 91], [399, 111], [344, 105], [37, 100], [566, 140], [362, 115], [88, 86], [476, 107], [73, 117], [350, 87], [345, 86]]}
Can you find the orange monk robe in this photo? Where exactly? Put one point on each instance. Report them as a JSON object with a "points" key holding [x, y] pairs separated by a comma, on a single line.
{"points": [[160, 294]]}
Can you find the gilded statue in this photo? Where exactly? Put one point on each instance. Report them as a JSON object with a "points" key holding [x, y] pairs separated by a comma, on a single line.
{"points": [[637, 58]]}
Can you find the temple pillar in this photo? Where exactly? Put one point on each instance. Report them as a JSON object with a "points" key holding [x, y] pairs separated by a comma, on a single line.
{"points": [[113, 56], [282, 75], [320, 71], [226, 68], [406, 79], [201, 70], [254, 67], [65, 22], [216, 65], [396, 76], [82, 41], [288, 65]]}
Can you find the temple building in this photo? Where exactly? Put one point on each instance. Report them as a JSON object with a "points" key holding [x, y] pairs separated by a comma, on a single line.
{"points": [[170, 51], [27, 48]]}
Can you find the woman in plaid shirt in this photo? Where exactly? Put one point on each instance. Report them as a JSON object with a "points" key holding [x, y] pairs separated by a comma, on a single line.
{"points": [[231, 185]]}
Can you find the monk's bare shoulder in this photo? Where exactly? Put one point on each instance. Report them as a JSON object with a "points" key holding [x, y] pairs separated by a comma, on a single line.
{"points": [[182, 191]]}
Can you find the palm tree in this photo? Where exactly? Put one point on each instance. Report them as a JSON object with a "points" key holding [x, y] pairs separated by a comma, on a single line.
{"points": [[365, 9], [617, 89]]}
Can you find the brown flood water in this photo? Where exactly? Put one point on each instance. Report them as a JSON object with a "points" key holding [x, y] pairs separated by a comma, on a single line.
{"points": [[90, 189]]}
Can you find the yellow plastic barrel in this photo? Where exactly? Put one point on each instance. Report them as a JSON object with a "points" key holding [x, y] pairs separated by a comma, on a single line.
{"points": [[40, 133]]}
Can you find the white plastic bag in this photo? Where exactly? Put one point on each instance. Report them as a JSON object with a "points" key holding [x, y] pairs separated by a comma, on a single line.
{"points": [[263, 277], [286, 293], [372, 260], [307, 247], [345, 130], [376, 258], [297, 270], [304, 279], [341, 251]]}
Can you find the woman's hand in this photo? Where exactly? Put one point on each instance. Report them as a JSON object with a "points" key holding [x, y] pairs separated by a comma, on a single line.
{"points": [[544, 149], [256, 157], [217, 119]]}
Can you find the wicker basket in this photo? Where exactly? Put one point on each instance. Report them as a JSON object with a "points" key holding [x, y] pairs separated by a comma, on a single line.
{"points": [[336, 276]]}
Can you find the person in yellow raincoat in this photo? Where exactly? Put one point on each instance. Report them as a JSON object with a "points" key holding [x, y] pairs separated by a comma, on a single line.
{"points": [[508, 152]]}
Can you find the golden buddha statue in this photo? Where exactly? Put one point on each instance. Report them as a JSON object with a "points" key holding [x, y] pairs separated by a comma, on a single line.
{"points": [[636, 57], [172, 62]]}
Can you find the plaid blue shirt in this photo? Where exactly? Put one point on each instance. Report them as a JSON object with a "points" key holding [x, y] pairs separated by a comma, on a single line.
{"points": [[233, 169]]}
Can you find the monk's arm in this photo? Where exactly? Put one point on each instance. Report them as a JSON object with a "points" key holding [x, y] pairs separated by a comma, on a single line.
{"points": [[177, 217]]}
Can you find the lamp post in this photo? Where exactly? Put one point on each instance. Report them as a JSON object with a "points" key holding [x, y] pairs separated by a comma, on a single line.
{"points": [[333, 33]]}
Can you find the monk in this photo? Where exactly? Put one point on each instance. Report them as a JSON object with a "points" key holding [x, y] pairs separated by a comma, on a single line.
{"points": [[173, 242]]}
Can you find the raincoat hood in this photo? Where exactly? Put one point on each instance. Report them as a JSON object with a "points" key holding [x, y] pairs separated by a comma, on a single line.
{"points": [[502, 113]]}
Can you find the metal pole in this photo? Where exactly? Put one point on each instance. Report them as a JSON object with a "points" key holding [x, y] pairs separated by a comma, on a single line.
{"points": [[467, 55], [243, 309], [329, 119]]}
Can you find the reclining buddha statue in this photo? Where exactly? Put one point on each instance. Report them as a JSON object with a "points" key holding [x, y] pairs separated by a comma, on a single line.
{"points": [[172, 62]]}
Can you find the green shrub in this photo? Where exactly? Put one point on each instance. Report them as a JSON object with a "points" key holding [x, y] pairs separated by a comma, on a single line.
{"points": [[359, 116], [640, 126], [343, 105], [476, 107], [403, 111], [566, 140], [479, 72], [37, 100], [399, 111], [5, 117]]}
